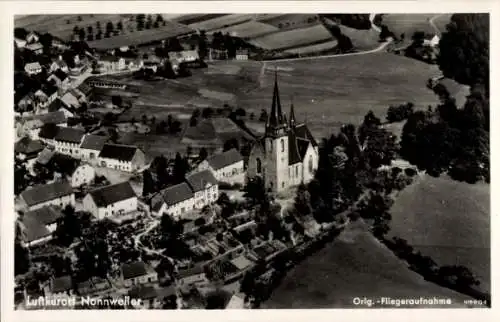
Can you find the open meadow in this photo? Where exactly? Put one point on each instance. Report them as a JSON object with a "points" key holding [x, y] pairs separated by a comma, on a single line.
{"points": [[222, 22], [249, 29], [354, 265], [332, 91], [408, 24], [448, 221]]}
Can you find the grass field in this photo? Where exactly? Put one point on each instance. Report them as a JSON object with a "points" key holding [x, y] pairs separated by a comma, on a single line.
{"points": [[313, 48], [361, 39], [292, 38], [354, 265], [288, 20], [408, 24], [333, 91], [222, 22], [442, 21], [448, 221], [249, 29]]}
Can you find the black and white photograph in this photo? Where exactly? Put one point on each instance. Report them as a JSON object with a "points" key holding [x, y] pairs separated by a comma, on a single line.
{"points": [[251, 161]]}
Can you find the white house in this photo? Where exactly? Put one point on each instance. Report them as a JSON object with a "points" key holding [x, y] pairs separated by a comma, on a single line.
{"points": [[67, 141], [226, 167], [432, 41], [117, 199], [27, 150], [35, 48], [20, 43], [121, 157], [46, 95], [33, 125], [60, 79], [174, 201], [205, 188], [39, 224], [138, 273], [112, 63], [91, 147], [57, 193], [32, 37], [242, 55], [83, 174], [33, 68]]}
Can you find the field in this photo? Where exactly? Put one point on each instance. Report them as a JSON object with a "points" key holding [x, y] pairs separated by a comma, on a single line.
{"points": [[249, 29], [408, 24], [442, 21], [171, 29], [361, 39], [354, 265], [288, 20], [448, 221], [293, 38], [313, 48], [222, 22], [332, 91]]}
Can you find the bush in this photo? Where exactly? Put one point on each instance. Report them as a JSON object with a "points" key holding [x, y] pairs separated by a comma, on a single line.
{"points": [[399, 113], [410, 172]]}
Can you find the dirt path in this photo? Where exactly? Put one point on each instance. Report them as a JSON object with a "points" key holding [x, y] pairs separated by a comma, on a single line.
{"points": [[433, 25]]}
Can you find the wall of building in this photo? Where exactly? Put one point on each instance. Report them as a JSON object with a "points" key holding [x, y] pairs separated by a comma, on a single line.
{"points": [[180, 208], [139, 160], [67, 148], [115, 164], [234, 173], [90, 206], [148, 278], [120, 207], [84, 174], [89, 155], [62, 202], [311, 155]]}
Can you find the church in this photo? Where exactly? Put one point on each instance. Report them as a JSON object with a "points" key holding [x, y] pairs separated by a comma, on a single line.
{"points": [[287, 154]]}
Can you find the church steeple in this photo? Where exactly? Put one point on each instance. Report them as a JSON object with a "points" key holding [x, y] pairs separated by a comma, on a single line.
{"points": [[292, 116], [276, 119]]}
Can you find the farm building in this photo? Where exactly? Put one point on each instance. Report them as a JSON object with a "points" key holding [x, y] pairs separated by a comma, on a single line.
{"points": [[242, 55], [117, 199], [174, 201], [67, 141], [60, 79], [35, 48], [91, 147], [39, 224], [33, 125], [227, 167], [33, 68], [204, 186], [27, 149], [138, 273], [57, 193], [121, 157]]}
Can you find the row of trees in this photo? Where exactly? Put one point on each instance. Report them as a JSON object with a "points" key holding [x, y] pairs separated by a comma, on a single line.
{"points": [[162, 178]]}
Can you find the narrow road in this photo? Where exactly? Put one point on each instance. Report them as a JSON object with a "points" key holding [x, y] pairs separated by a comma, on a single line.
{"points": [[374, 27], [431, 22], [371, 51]]}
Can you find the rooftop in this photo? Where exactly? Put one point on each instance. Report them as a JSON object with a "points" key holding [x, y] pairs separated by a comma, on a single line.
{"points": [[222, 160], [134, 269], [177, 193], [93, 142], [28, 146], [61, 284], [199, 180], [46, 215], [43, 193], [109, 195], [67, 134], [118, 152]]}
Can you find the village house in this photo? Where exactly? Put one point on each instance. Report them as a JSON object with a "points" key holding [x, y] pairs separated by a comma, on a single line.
{"points": [[227, 167], [39, 224], [192, 276], [60, 287], [121, 157], [33, 125], [138, 273], [93, 285], [32, 37], [35, 48], [33, 68], [148, 296], [24, 100], [91, 147], [112, 63], [205, 188], [46, 95], [67, 141], [58, 105], [117, 199], [242, 55], [153, 66], [56, 193], [66, 167], [431, 40], [174, 201], [27, 150], [59, 63], [72, 99], [19, 43], [60, 79]]}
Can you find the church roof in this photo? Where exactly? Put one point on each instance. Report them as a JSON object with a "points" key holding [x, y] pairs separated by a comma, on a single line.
{"points": [[302, 131], [276, 119]]}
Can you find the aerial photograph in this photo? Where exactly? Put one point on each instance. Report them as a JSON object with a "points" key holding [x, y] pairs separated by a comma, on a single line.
{"points": [[251, 161]]}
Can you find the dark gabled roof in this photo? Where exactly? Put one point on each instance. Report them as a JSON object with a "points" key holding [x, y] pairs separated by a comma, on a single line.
{"points": [[94, 142], [48, 89], [204, 130], [48, 131], [64, 164], [34, 230], [134, 269], [143, 292], [175, 194], [28, 146], [61, 284], [293, 149], [56, 105], [85, 89], [52, 117], [195, 270], [118, 152], [302, 145], [60, 74], [67, 134], [221, 160], [199, 180], [45, 215], [108, 195], [45, 156], [43, 193], [302, 131]]}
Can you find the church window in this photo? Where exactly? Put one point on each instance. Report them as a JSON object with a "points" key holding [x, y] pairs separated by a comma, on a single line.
{"points": [[297, 171], [283, 184], [282, 145], [310, 164], [259, 166]]}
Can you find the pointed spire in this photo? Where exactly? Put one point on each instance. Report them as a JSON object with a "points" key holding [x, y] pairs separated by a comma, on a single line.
{"points": [[276, 117], [292, 115]]}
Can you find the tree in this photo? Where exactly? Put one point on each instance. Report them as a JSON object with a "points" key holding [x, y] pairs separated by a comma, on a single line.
{"points": [[180, 169], [231, 144], [81, 34], [148, 186], [119, 26], [207, 113], [203, 154], [159, 18], [160, 170], [109, 27], [256, 194], [46, 40], [149, 22], [464, 49], [140, 21], [76, 29], [263, 116], [302, 201], [69, 227]]}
